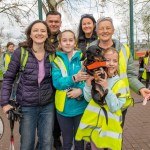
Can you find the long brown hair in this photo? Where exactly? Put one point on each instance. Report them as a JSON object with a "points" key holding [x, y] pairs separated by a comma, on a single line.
{"points": [[29, 42]]}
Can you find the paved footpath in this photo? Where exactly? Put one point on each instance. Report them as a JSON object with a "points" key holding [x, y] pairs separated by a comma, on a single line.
{"points": [[137, 126], [136, 130]]}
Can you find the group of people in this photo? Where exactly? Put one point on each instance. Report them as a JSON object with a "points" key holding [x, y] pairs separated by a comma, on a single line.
{"points": [[54, 90]]}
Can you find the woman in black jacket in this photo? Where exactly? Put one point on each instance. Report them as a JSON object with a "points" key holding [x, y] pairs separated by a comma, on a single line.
{"points": [[86, 31]]}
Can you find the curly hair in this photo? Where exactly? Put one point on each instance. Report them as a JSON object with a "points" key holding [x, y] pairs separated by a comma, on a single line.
{"points": [[29, 42]]}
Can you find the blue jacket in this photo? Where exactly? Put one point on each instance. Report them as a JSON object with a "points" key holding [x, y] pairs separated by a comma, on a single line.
{"points": [[72, 107], [29, 92]]}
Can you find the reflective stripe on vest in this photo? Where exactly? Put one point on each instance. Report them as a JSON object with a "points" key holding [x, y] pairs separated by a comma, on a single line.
{"points": [[58, 61], [120, 87], [7, 60], [110, 134], [60, 95], [124, 55], [93, 127], [94, 109]]}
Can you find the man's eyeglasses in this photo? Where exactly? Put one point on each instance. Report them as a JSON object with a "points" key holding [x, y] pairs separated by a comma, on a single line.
{"points": [[86, 15]]}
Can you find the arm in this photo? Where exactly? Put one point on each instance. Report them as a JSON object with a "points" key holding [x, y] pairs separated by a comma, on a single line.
{"points": [[134, 83], [114, 103], [60, 82], [87, 88], [9, 77], [87, 92]]}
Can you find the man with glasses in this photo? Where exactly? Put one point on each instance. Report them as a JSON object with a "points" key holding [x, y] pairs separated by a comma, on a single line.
{"points": [[105, 30]]}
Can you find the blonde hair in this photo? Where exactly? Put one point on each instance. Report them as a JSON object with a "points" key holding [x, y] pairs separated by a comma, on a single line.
{"points": [[60, 36]]}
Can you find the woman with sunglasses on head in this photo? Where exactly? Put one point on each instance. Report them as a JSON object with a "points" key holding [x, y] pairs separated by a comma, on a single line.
{"points": [[86, 31]]}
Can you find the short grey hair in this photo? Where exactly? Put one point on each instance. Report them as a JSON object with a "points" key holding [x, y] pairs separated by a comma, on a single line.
{"points": [[104, 19]]}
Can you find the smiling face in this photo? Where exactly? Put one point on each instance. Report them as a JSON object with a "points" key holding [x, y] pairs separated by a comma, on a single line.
{"points": [[105, 31], [67, 41], [39, 33], [87, 26], [54, 23], [111, 62]]}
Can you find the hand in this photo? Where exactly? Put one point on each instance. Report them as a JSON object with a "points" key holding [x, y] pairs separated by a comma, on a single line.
{"points": [[74, 93], [6, 108], [101, 81], [145, 93], [81, 75]]}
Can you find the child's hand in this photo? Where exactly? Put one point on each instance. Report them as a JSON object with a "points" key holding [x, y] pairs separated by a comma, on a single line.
{"points": [[103, 82], [74, 93], [81, 75]]}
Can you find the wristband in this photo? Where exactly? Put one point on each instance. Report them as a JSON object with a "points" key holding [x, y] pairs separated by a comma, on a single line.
{"points": [[74, 79]]}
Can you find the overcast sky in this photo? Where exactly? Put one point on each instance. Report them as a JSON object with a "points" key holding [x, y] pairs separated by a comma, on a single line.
{"points": [[70, 17]]}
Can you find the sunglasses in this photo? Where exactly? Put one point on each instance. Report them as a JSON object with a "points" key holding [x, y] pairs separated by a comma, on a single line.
{"points": [[105, 19], [86, 15]]}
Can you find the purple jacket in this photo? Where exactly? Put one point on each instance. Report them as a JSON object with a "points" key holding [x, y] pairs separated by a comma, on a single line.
{"points": [[29, 92]]}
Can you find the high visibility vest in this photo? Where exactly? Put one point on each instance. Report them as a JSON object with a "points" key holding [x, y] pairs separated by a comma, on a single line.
{"points": [[144, 75], [60, 95], [6, 60], [124, 55], [93, 124]]}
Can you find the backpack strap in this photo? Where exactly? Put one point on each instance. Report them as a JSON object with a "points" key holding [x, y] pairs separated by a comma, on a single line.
{"points": [[51, 57], [23, 61], [24, 58]]}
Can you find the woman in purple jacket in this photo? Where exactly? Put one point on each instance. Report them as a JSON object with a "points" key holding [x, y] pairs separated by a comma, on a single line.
{"points": [[35, 92]]}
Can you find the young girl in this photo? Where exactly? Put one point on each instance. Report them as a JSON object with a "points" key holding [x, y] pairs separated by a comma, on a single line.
{"points": [[102, 129], [68, 80]]}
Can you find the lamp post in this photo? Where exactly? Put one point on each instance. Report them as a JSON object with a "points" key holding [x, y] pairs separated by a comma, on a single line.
{"points": [[131, 28], [40, 9]]}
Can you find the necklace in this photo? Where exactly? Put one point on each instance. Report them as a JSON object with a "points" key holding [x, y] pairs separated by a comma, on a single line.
{"points": [[34, 50]]}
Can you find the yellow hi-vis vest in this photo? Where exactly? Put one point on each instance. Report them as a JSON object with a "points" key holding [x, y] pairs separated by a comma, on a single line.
{"points": [[93, 124], [6, 61], [60, 95], [124, 55], [144, 75]]}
